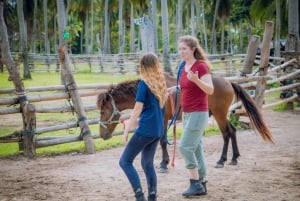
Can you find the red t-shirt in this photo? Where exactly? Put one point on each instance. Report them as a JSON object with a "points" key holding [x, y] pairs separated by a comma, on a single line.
{"points": [[193, 99]]}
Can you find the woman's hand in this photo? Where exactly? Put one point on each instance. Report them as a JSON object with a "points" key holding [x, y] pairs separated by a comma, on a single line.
{"points": [[192, 76], [126, 124], [126, 131], [171, 90]]}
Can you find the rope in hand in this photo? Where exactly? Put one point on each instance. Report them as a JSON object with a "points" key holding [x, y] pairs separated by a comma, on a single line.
{"points": [[174, 130]]}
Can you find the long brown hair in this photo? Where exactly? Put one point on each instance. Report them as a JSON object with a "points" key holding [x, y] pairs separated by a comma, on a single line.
{"points": [[152, 74], [199, 52]]}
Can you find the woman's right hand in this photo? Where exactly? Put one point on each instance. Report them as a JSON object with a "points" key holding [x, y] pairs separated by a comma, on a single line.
{"points": [[171, 90], [126, 131]]}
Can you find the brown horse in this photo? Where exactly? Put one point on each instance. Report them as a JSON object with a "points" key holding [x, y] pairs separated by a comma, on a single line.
{"points": [[122, 97]]}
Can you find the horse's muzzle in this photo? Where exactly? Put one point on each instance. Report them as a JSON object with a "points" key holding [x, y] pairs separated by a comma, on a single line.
{"points": [[105, 136]]}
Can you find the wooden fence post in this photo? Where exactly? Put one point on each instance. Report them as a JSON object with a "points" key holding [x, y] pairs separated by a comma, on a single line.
{"points": [[28, 110], [75, 97], [250, 55], [264, 63]]}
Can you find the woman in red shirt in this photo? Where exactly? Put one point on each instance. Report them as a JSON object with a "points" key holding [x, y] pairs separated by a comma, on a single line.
{"points": [[195, 84]]}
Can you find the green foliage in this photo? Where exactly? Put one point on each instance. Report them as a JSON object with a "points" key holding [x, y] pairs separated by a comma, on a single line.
{"points": [[234, 120]]}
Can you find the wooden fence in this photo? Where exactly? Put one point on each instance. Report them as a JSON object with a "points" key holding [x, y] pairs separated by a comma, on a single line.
{"points": [[126, 63], [58, 92]]}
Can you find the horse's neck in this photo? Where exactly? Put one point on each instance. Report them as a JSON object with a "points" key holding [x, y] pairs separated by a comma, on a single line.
{"points": [[126, 103]]}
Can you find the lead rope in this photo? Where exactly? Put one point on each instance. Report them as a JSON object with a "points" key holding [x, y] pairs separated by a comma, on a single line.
{"points": [[174, 130]]}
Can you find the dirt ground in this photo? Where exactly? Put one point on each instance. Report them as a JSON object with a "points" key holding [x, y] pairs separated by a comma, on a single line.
{"points": [[265, 172]]}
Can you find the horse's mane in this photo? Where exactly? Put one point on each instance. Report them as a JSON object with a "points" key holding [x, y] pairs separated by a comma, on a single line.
{"points": [[123, 89]]}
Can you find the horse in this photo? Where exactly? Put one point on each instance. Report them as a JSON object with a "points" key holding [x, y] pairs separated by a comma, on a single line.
{"points": [[122, 96]]}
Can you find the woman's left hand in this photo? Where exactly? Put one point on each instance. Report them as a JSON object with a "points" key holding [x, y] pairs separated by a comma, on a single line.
{"points": [[192, 76]]}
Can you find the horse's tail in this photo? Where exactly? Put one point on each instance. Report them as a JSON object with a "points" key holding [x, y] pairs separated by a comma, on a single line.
{"points": [[253, 112]]}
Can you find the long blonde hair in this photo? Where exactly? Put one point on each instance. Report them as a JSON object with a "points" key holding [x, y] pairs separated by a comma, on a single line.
{"points": [[152, 74], [199, 52]]}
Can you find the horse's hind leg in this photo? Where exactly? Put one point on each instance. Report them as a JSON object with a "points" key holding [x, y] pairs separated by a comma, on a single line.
{"points": [[228, 133], [235, 149], [165, 156], [223, 158]]}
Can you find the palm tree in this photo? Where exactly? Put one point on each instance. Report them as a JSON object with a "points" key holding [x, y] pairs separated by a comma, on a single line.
{"points": [[33, 35], [293, 42], [23, 37], [121, 28], [47, 45], [132, 30], [154, 21], [223, 13], [165, 36], [92, 27], [277, 29], [213, 31], [106, 48]]}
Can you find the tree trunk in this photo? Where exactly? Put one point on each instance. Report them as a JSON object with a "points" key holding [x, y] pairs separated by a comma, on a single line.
{"points": [[34, 27], [92, 28], [264, 63], [222, 36], [213, 31], [193, 18], [23, 38], [204, 26], [28, 110], [132, 32], [86, 33], [121, 31], [293, 43], [277, 31], [179, 20], [106, 46], [47, 44], [147, 35], [154, 23], [165, 36]]}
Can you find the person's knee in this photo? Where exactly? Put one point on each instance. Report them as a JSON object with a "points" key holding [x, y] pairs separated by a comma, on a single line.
{"points": [[184, 150], [123, 163], [146, 165]]}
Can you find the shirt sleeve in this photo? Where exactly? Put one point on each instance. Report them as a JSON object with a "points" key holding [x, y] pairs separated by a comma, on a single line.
{"points": [[202, 69], [141, 92]]}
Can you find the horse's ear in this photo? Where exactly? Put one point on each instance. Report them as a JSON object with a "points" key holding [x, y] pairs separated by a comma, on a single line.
{"points": [[102, 98]]}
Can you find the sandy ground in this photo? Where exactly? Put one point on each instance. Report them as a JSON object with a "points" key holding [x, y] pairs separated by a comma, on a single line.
{"points": [[264, 172]]}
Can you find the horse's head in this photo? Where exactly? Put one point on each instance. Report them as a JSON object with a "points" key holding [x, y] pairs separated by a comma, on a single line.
{"points": [[110, 103], [109, 114]]}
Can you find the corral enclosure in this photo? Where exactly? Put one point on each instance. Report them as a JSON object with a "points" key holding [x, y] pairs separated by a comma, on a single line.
{"points": [[56, 100]]}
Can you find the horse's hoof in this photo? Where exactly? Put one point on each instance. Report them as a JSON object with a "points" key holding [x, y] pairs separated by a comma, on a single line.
{"points": [[233, 163], [163, 170], [219, 165]]}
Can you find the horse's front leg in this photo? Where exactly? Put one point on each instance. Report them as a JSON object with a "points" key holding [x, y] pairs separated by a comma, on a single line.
{"points": [[165, 155]]}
